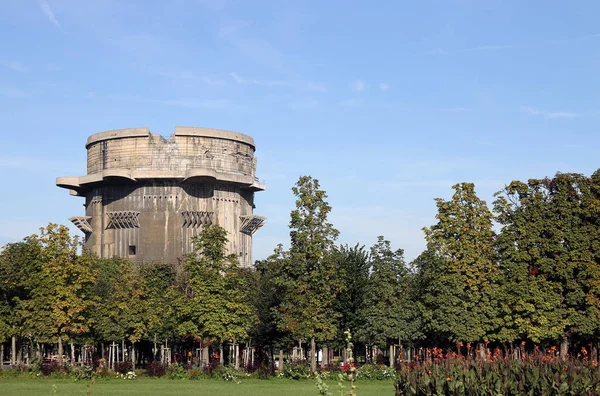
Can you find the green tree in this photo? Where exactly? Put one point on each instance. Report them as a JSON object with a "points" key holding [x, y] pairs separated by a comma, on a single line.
{"points": [[548, 239], [389, 312], [58, 306], [122, 308], [353, 266], [462, 293], [17, 261], [217, 306], [310, 276], [267, 297]]}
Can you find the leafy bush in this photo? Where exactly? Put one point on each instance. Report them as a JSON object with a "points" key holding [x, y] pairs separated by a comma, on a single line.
{"points": [[48, 368], [82, 373], [177, 372], [375, 372], [156, 369], [296, 370], [228, 373], [123, 367]]}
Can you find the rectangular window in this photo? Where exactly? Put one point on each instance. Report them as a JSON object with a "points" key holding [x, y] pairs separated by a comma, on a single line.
{"points": [[131, 250]]}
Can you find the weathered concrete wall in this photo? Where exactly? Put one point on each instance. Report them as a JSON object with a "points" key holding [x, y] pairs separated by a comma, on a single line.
{"points": [[147, 197]]}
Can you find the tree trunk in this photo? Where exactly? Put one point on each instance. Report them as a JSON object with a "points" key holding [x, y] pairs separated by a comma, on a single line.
{"points": [[392, 356], [564, 347], [313, 356], [325, 355], [482, 351], [13, 350], [122, 350], [72, 354], [281, 360], [133, 355], [221, 357], [1, 356], [154, 351], [60, 351], [237, 354]]}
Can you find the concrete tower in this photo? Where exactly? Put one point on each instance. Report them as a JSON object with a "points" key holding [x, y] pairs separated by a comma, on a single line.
{"points": [[146, 197]]}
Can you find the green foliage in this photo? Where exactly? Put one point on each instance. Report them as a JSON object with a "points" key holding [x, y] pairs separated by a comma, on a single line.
{"points": [[353, 271], [61, 283], [296, 370], [215, 305], [389, 312], [499, 377], [548, 245], [462, 281], [308, 275], [375, 372]]}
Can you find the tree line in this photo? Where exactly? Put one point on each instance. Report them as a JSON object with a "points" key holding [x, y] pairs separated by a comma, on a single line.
{"points": [[526, 271]]}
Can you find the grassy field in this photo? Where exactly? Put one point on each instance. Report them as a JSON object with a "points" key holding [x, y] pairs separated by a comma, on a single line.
{"points": [[148, 387]]}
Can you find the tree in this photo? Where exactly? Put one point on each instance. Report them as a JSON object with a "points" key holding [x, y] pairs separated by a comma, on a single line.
{"points": [[58, 306], [461, 296], [389, 312], [548, 246], [353, 266], [17, 261], [216, 305], [122, 308], [267, 299], [309, 277]]}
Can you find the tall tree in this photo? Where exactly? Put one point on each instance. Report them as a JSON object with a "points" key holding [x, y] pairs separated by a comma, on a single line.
{"points": [[59, 303], [268, 297], [548, 244], [217, 305], [353, 266], [17, 262], [309, 277], [389, 312], [462, 299]]}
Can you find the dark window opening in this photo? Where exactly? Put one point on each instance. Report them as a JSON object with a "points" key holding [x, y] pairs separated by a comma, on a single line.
{"points": [[132, 250]]}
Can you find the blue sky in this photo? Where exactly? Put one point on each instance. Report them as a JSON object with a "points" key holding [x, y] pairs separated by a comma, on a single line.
{"points": [[388, 104]]}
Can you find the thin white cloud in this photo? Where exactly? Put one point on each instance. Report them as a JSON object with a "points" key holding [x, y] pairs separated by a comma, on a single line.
{"points": [[358, 85], [195, 104], [457, 109], [302, 85], [16, 66], [384, 87], [350, 103], [189, 76], [268, 83], [11, 92], [50, 14], [436, 51], [549, 114], [492, 47], [189, 103], [486, 48]]}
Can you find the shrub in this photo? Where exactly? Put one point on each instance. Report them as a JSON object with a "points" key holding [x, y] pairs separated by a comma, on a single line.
{"points": [[228, 373], [177, 372], [375, 372], [296, 370], [156, 369], [51, 367], [123, 367], [82, 373]]}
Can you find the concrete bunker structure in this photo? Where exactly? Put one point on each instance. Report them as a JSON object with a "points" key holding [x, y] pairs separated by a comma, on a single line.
{"points": [[146, 197]]}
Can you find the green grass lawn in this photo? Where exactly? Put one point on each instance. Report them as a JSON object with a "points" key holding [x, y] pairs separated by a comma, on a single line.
{"points": [[212, 387]]}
